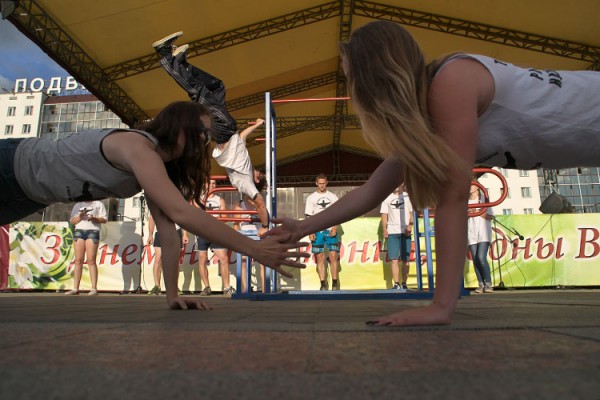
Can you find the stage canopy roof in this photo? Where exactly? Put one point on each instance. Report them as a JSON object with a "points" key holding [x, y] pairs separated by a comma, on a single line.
{"points": [[290, 48]]}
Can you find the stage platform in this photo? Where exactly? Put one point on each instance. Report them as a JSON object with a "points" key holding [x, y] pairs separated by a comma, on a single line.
{"points": [[381, 294], [512, 344]]}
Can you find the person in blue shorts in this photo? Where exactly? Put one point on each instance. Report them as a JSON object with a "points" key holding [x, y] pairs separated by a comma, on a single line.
{"points": [[327, 238], [211, 203], [397, 223]]}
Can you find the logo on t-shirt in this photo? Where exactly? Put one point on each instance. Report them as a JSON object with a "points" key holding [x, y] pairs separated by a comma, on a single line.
{"points": [[323, 203], [397, 203], [213, 205]]}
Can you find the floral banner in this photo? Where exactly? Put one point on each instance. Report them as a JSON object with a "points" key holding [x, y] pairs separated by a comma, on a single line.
{"points": [[4, 257], [526, 251]]}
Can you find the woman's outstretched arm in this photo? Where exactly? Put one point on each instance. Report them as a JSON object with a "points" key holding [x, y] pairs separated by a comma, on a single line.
{"points": [[454, 99], [137, 154]]}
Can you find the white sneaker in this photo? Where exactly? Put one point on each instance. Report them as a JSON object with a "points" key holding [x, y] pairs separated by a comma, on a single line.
{"points": [[72, 292], [93, 292], [229, 291], [180, 49], [167, 40]]}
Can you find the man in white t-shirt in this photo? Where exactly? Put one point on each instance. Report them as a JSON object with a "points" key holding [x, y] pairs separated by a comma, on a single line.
{"points": [[315, 203], [397, 223]]}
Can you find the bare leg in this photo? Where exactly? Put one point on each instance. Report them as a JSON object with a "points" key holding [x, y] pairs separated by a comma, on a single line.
{"points": [[405, 269], [91, 250], [244, 275], [333, 264], [320, 260], [223, 266], [395, 271], [78, 263], [202, 267], [157, 268], [263, 282]]}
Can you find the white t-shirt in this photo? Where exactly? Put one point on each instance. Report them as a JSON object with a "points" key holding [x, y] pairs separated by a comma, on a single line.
{"points": [[238, 166], [317, 202], [93, 209], [479, 229], [213, 203], [398, 208]]}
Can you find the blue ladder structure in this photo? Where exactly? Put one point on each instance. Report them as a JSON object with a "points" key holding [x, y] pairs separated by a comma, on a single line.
{"points": [[270, 292]]}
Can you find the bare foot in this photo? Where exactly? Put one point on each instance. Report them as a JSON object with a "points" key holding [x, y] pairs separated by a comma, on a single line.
{"points": [[432, 314]]}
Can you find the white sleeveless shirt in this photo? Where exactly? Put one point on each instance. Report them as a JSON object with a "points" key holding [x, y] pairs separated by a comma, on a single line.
{"points": [[539, 118]]}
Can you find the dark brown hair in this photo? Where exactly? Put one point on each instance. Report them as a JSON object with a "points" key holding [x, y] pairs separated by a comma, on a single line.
{"points": [[191, 170], [389, 85]]}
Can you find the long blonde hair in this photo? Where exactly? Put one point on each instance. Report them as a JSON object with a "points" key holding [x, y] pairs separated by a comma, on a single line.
{"points": [[389, 83]]}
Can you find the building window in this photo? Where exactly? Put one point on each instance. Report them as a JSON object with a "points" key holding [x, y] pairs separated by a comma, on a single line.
{"points": [[8, 130], [11, 111], [504, 172], [507, 192], [528, 211], [523, 173], [507, 211], [28, 110], [525, 192], [136, 202], [26, 128]]}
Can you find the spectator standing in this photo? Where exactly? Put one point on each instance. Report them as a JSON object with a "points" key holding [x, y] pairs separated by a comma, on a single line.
{"points": [[213, 202], [325, 239], [479, 231], [87, 217], [397, 224]]}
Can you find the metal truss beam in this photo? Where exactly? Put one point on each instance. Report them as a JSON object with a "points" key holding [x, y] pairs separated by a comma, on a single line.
{"points": [[341, 107], [289, 126], [36, 24], [474, 30], [336, 179], [231, 38], [283, 91]]}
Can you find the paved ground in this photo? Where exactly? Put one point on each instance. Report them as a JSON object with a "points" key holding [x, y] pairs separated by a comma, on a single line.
{"points": [[542, 344]]}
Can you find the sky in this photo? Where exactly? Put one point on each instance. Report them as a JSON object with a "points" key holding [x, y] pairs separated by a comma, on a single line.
{"points": [[21, 58]]}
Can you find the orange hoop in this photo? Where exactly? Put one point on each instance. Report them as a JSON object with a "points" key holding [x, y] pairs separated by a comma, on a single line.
{"points": [[485, 205], [233, 213]]}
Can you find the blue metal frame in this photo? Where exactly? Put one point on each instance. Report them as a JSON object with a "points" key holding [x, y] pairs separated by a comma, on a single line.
{"points": [[271, 290]]}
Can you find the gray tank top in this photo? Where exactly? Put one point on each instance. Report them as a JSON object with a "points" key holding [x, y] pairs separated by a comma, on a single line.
{"points": [[72, 169]]}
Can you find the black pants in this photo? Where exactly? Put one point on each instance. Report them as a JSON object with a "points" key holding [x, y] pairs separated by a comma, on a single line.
{"points": [[14, 203], [205, 89]]}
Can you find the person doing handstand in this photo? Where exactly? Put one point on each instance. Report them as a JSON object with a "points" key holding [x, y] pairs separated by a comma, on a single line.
{"points": [[230, 150]]}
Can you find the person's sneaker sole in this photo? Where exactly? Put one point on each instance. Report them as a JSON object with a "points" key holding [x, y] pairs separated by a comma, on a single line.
{"points": [[180, 49], [164, 40]]}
